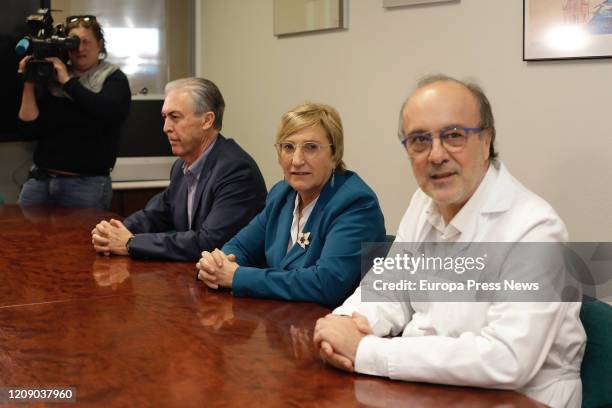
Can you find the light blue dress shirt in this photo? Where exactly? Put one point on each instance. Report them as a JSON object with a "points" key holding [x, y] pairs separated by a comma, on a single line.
{"points": [[192, 175]]}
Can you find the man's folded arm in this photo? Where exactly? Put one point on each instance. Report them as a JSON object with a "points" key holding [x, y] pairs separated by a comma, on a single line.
{"points": [[237, 198], [506, 354]]}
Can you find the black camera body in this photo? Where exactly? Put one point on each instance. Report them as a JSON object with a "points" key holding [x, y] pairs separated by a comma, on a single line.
{"points": [[46, 40]]}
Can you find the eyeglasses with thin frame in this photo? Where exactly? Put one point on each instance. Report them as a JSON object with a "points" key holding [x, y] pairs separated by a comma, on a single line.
{"points": [[85, 17], [453, 138], [309, 149]]}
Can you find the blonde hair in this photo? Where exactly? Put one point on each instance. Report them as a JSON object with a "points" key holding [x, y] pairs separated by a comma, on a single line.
{"points": [[310, 114]]}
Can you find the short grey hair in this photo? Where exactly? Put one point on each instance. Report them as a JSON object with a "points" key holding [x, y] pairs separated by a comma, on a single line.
{"points": [[487, 121], [205, 96]]}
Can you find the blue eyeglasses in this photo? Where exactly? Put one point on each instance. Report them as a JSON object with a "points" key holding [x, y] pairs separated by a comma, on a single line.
{"points": [[453, 138]]}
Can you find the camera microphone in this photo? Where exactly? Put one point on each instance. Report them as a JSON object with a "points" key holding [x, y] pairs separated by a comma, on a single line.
{"points": [[22, 46]]}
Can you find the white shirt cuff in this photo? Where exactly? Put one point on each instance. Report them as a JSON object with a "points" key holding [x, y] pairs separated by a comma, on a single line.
{"points": [[343, 311], [371, 357]]}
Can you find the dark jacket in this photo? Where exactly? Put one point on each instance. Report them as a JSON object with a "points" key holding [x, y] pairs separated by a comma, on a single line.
{"points": [[80, 134], [230, 192]]}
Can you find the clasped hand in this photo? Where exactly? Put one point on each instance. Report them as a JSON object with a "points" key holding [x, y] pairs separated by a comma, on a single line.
{"points": [[110, 237], [217, 269], [337, 339]]}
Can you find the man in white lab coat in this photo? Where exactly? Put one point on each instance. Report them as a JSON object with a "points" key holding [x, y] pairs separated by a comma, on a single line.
{"points": [[466, 195]]}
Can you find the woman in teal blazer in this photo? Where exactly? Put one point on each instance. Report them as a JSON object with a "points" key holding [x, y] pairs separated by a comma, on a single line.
{"points": [[306, 243]]}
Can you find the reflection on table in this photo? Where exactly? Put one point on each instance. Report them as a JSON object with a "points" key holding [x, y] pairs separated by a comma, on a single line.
{"points": [[145, 333]]}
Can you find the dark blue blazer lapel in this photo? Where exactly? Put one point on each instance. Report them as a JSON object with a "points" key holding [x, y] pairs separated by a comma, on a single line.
{"points": [[205, 175], [283, 229], [180, 199], [314, 221]]}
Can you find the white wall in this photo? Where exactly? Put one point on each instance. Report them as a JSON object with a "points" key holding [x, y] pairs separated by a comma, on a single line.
{"points": [[550, 115]]}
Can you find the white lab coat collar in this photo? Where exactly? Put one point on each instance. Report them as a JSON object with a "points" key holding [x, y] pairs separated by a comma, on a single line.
{"points": [[495, 194]]}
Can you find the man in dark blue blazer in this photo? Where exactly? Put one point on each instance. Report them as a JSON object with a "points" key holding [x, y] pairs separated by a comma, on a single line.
{"points": [[215, 187]]}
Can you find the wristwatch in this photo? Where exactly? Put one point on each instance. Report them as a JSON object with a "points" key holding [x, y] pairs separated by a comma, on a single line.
{"points": [[128, 243]]}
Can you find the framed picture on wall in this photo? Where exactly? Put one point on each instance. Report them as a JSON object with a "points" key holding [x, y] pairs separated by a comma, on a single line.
{"points": [[567, 29], [302, 16], [400, 3]]}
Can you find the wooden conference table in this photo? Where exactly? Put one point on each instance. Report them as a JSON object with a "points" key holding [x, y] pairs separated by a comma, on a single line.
{"points": [[143, 333]]}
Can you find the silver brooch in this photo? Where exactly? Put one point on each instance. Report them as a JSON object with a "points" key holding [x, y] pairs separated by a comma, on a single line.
{"points": [[302, 239]]}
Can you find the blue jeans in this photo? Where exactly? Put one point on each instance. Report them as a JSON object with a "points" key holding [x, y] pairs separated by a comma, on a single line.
{"points": [[73, 191]]}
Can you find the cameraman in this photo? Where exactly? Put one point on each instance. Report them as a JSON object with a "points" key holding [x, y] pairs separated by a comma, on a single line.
{"points": [[76, 119]]}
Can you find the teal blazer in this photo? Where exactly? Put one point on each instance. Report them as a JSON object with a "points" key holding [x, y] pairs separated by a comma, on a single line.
{"points": [[327, 270]]}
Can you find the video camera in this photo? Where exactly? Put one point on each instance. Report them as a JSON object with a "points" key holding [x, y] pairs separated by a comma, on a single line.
{"points": [[44, 41]]}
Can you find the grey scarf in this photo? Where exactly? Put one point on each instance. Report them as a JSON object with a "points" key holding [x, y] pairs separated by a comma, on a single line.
{"points": [[92, 79]]}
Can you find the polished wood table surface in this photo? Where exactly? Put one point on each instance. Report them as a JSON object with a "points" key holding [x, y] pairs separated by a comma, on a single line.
{"points": [[128, 333]]}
